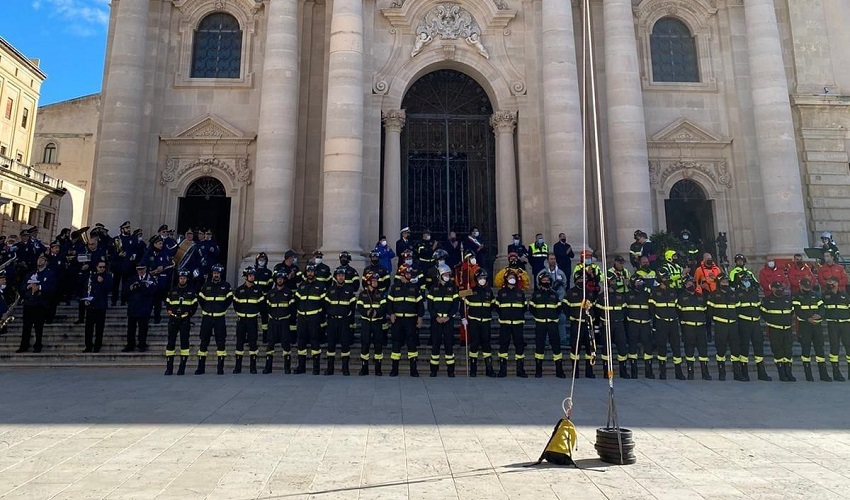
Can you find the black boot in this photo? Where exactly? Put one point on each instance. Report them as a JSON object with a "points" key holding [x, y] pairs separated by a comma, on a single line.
{"points": [[488, 367], [450, 370], [414, 372], [252, 364], [624, 370], [520, 369], [301, 367], [762, 373], [690, 366], [237, 368], [559, 369], [330, 368], [181, 370], [434, 370], [287, 364], [647, 369], [721, 371], [662, 370], [822, 371], [678, 369], [219, 369], [378, 372], [269, 363], [780, 367], [574, 368], [202, 363], [394, 369], [736, 372], [472, 367], [538, 368], [633, 368], [836, 373], [605, 370], [588, 369], [807, 370], [317, 360], [169, 365], [703, 366], [345, 366], [503, 368], [745, 371], [364, 367], [788, 374]]}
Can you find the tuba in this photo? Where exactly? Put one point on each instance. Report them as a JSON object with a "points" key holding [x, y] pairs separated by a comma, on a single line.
{"points": [[7, 317], [81, 234]]}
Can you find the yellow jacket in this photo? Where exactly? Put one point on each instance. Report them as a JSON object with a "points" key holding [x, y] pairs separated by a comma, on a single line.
{"points": [[524, 282]]}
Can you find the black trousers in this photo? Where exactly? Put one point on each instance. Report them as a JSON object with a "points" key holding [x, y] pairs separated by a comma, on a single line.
{"points": [[726, 339], [780, 344], [33, 319], [247, 329], [479, 337], [511, 333], [372, 333], [278, 333], [442, 335], [667, 332], [120, 286], [158, 297], [178, 327], [580, 335], [618, 337], [750, 332], [839, 333], [95, 323], [339, 333], [309, 331], [637, 334], [695, 340], [542, 332], [264, 321], [811, 335], [404, 332], [140, 322], [213, 325]]}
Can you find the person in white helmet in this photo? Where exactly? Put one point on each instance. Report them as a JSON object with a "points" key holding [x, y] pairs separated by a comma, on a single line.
{"points": [[828, 244]]}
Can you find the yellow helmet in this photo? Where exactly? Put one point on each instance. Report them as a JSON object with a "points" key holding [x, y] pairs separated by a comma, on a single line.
{"points": [[669, 254]]}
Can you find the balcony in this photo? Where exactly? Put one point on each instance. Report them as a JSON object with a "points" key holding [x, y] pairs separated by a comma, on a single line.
{"points": [[16, 167]]}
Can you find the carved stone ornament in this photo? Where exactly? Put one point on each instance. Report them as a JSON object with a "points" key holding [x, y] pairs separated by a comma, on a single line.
{"points": [[503, 121], [175, 169], [448, 21], [393, 119], [717, 171]]}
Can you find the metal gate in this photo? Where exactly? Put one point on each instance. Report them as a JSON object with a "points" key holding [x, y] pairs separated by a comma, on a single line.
{"points": [[448, 158]]}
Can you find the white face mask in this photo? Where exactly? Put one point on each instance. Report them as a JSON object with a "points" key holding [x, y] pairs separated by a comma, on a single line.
{"points": [[771, 264], [516, 242], [539, 241], [318, 261], [261, 263], [685, 237], [475, 234], [512, 281], [445, 278], [473, 261], [414, 279], [409, 262], [294, 260], [383, 243], [427, 237], [482, 282]]}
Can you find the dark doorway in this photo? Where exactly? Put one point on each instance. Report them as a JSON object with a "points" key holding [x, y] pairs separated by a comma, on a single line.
{"points": [[688, 208], [206, 205], [448, 158]]}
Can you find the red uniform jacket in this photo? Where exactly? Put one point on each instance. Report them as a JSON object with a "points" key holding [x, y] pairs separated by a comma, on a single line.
{"points": [[768, 276], [827, 270], [795, 274]]}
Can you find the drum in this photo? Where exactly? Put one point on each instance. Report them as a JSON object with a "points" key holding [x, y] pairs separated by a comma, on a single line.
{"points": [[184, 252]]}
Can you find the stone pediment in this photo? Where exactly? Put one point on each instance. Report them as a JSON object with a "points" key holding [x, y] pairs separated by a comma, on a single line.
{"points": [[208, 127], [684, 131]]}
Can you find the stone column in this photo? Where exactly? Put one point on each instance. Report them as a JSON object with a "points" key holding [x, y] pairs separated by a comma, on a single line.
{"points": [[562, 121], [122, 111], [507, 216], [391, 203], [343, 151], [277, 134], [775, 136], [629, 159]]}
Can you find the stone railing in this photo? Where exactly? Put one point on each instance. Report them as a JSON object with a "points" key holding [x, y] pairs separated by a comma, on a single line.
{"points": [[19, 168]]}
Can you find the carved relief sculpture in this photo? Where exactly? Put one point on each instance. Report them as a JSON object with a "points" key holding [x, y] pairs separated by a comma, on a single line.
{"points": [[448, 21]]}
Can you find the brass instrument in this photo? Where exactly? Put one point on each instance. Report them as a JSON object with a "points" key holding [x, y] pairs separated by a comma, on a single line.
{"points": [[81, 234], [8, 263], [7, 316], [119, 247]]}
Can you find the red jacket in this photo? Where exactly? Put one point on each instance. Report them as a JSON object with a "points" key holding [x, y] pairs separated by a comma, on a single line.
{"points": [[768, 276], [706, 278], [795, 274], [827, 270]]}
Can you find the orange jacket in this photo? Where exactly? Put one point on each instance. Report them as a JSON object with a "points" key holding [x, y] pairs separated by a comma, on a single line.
{"points": [[795, 274], [706, 277]]}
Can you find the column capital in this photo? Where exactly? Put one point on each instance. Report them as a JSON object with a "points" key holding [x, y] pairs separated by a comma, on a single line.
{"points": [[393, 119], [503, 122]]}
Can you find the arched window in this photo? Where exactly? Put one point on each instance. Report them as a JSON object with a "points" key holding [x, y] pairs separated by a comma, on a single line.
{"points": [[687, 190], [217, 51], [674, 52], [49, 153]]}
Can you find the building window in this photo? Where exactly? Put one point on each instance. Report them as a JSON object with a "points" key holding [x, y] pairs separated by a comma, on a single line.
{"points": [[10, 105], [19, 156], [48, 220], [17, 211], [49, 153], [674, 52], [25, 118], [3, 150], [217, 51], [32, 220]]}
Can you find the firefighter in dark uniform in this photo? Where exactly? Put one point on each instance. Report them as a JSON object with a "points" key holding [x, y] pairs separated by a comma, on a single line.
{"points": [[323, 271], [836, 303], [372, 308], [340, 302], [749, 325], [423, 250], [808, 309], [691, 306], [722, 308], [289, 266], [378, 271], [263, 280], [777, 310], [615, 306], [214, 299], [546, 308], [479, 307], [663, 306], [181, 303], [406, 308], [432, 273], [280, 304], [639, 330], [247, 302], [443, 306], [579, 306], [510, 303], [352, 277], [310, 303]]}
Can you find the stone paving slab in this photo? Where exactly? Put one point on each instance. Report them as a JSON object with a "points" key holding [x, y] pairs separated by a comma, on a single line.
{"points": [[134, 434]]}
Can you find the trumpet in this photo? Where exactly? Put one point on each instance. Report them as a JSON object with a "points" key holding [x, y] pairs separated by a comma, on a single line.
{"points": [[7, 317]]}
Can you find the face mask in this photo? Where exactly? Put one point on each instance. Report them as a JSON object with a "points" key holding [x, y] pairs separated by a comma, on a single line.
{"points": [[771, 264], [746, 284], [427, 237], [318, 261], [685, 237], [539, 241], [409, 262], [445, 278], [294, 260], [482, 282], [545, 284], [476, 234], [344, 262], [690, 287], [383, 243], [374, 262], [512, 281], [516, 242], [414, 279], [452, 239], [563, 240], [473, 261], [261, 263], [709, 262]]}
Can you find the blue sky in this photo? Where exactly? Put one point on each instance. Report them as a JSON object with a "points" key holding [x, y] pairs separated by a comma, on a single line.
{"points": [[68, 36]]}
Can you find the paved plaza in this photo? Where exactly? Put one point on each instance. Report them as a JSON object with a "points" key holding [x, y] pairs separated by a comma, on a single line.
{"points": [[132, 433]]}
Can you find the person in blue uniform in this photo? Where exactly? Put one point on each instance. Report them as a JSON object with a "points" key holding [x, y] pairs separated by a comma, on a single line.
{"points": [[36, 289], [140, 293], [94, 301]]}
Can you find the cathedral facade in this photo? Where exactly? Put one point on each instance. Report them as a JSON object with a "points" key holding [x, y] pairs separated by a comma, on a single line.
{"points": [[324, 124]]}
